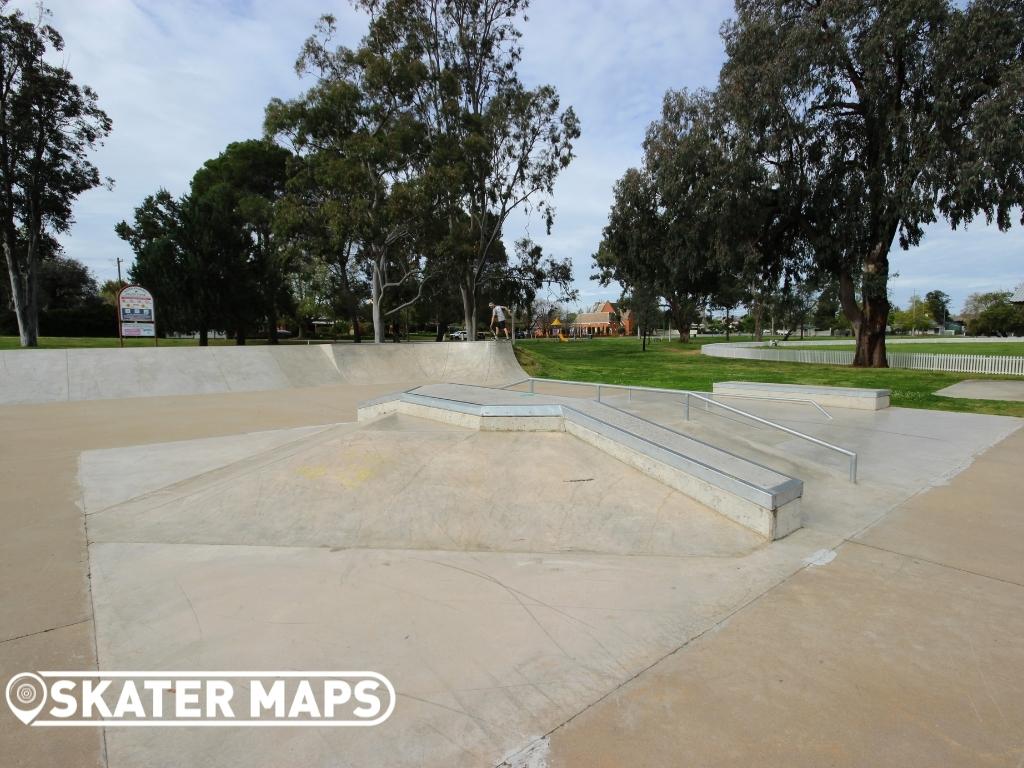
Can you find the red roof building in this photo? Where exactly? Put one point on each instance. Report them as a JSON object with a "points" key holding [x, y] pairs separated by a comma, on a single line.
{"points": [[604, 319]]}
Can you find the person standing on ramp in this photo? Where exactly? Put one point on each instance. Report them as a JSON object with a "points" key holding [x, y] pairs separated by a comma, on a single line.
{"points": [[498, 321]]}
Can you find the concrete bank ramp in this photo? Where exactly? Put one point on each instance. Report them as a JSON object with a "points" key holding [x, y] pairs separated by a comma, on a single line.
{"points": [[45, 375]]}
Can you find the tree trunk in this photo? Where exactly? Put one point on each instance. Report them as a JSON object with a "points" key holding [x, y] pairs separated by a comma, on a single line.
{"points": [[869, 319], [240, 337], [758, 310], [871, 334], [378, 315], [439, 336], [272, 326], [24, 293], [204, 335], [681, 316], [469, 310]]}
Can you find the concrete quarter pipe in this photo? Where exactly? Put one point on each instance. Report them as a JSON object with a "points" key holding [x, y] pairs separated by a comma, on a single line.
{"points": [[44, 376]]}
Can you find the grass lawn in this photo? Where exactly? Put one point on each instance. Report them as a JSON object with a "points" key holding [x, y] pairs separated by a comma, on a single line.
{"points": [[1001, 348], [681, 366]]}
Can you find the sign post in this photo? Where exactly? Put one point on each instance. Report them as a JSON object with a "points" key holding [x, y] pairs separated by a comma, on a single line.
{"points": [[136, 317]]}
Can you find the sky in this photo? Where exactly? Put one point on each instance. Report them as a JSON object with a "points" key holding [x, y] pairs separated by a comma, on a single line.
{"points": [[181, 79]]}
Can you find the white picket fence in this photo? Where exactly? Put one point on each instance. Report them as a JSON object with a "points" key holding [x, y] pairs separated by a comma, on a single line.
{"points": [[921, 361]]}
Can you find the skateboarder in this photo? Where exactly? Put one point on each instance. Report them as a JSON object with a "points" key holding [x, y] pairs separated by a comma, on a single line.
{"points": [[498, 320]]}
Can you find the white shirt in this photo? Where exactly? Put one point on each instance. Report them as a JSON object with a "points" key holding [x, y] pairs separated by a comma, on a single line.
{"points": [[499, 313]]}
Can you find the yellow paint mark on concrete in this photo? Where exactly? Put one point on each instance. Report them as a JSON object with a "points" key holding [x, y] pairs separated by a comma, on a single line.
{"points": [[353, 477], [349, 476]]}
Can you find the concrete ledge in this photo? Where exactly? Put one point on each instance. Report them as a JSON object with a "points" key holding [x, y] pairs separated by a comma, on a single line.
{"points": [[840, 397], [770, 512], [756, 497]]}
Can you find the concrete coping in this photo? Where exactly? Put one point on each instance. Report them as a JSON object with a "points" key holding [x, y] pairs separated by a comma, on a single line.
{"points": [[802, 389]]}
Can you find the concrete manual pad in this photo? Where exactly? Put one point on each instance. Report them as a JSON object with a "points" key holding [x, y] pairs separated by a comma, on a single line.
{"points": [[748, 493], [986, 389]]}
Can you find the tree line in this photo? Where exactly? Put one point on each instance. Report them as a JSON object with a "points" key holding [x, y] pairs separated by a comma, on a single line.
{"points": [[388, 182], [836, 130]]}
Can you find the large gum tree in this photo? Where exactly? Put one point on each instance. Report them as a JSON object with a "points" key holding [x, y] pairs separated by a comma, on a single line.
{"points": [[902, 111], [48, 125], [495, 145]]}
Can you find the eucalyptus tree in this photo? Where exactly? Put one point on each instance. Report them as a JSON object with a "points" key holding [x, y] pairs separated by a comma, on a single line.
{"points": [[900, 111], [316, 232], [633, 242], [495, 145], [668, 230], [360, 147], [48, 125]]}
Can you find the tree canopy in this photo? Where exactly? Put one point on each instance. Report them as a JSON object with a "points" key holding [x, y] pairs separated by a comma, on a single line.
{"points": [[836, 130], [48, 125]]}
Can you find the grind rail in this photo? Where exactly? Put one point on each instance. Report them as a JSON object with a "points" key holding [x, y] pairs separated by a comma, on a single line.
{"points": [[708, 404]]}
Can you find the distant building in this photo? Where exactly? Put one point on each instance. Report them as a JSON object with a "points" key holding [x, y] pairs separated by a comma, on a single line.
{"points": [[604, 319], [1018, 295]]}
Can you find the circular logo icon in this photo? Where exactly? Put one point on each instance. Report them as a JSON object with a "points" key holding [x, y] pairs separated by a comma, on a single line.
{"points": [[26, 696]]}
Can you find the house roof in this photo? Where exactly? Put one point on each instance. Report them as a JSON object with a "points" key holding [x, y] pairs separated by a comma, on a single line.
{"points": [[591, 318], [1018, 295]]}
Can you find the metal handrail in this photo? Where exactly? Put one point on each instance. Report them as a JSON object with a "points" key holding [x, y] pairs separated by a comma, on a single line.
{"points": [[852, 455]]}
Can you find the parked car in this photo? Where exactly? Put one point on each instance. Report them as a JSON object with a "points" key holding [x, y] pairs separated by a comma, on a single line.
{"points": [[460, 335]]}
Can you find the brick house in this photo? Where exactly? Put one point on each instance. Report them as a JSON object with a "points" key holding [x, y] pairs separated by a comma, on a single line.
{"points": [[604, 319]]}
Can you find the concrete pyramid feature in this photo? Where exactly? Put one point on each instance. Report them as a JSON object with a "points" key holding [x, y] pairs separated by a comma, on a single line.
{"points": [[757, 497]]}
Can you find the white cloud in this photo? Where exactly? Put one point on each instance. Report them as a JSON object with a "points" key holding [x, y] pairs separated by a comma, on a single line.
{"points": [[182, 79]]}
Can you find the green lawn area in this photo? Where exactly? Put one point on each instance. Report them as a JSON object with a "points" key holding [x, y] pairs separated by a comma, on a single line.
{"points": [[681, 366], [1010, 348]]}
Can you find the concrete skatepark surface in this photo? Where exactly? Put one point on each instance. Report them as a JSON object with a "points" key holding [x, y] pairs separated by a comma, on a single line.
{"points": [[533, 600], [986, 389]]}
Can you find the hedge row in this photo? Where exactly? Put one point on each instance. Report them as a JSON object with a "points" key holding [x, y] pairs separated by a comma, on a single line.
{"points": [[93, 319]]}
